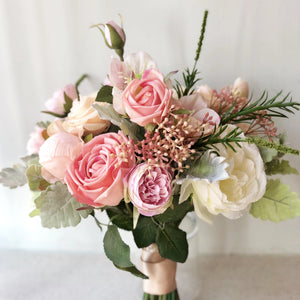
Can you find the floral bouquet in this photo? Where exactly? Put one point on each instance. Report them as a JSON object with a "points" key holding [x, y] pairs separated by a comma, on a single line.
{"points": [[147, 149]]}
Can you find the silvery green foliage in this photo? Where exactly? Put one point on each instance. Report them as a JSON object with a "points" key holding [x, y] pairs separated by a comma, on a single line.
{"points": [[58, 208], [13, 177], [209, 166]]}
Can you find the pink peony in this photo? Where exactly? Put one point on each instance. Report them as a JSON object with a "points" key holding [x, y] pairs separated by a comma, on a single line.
{"points": [[95, 177], [56, 103], [57, 153], [149, 189], [147, 100], [35, 141]]}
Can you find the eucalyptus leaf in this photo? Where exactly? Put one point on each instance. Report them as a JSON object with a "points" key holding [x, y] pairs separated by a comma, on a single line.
{"points": [[13, 177], [119, 252], [58, 208], [107, 112], [278, 203]]}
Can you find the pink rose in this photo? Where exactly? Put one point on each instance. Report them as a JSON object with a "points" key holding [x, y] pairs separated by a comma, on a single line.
{"points": [[57, 153], [149, 190], [36, 140], [147, 100], [95, 177], [56, 103]]}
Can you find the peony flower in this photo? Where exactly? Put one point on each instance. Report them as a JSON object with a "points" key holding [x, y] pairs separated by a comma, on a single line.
{"points": [[82, 119], [149, 189], [35, 141], [56, 103], [232, 196], [57, 153], [95, 177], [147, 100]]}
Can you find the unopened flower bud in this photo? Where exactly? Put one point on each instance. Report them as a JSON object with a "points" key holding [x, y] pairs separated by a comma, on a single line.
{"points": [[240, 87], [114, 35]]}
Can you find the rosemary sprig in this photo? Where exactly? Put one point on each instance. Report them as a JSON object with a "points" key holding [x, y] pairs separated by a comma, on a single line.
{"points": [[229, 140], [272, 108], [190, 78]]}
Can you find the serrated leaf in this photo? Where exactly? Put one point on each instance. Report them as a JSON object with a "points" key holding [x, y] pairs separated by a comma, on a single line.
{"points": [[30, 159], [58, 208], [43, 124], [13, 177], [279, 167], [107, 112], [119, 252], [35, 180], [105, 94], [145, 232], [68, 103], [278, 203], [172, 243]]}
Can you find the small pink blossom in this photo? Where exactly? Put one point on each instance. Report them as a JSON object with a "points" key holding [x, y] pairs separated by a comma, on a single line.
{"points": [[35, 141], [149, 189], [240, 88], [57, 153], [95, 177], [114, 35], [56, 103], [147, 100]]}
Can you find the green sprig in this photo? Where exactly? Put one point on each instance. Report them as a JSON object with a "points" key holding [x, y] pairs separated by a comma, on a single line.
{"points": [[271, 107], [267, 144]]}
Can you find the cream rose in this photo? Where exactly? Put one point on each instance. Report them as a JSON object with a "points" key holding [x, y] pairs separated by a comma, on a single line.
{"points": [[233, 196], [82, 119]]}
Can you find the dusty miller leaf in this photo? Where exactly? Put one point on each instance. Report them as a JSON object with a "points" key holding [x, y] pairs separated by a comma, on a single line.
{"points": [[278, 203], [13, 177], [280, 167], [58, 208]]}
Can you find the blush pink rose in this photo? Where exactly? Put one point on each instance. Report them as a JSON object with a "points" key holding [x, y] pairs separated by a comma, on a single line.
{"points": [[57, 152], [95, 177], [149, 190], [147, 100], [56, 103]]}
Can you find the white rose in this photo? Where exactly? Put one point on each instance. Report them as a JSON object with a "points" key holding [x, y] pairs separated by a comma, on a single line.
{"points": [[233, 196]]}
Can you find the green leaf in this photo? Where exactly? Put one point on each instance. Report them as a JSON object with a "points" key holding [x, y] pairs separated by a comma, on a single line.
{"points": [[120, 216], [280, 167], [182, 111], [43, 124], [172, 243], [34, 213], [145, 232], [68, 103], [175, 213], [53, 114], [119, 252], [35, 180], [58, 208], [105, 94], [107, 112], [13, 177], [278, 203]]}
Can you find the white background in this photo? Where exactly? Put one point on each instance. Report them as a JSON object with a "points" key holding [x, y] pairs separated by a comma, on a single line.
{"points": [[46, 44]]}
